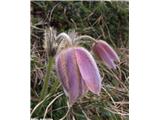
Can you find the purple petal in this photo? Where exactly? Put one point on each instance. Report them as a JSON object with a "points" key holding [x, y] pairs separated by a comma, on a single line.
{"points": [[62, 71], [109, 50], [73, 75], [106, 53], [89, 70]]}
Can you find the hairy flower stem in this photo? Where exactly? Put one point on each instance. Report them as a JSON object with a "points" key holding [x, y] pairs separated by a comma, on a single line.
{"points": [[64, 36], [45, 85], [85, 37]]}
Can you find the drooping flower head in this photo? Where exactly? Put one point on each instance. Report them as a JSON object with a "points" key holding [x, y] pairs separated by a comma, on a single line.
{"points": [[78, 72], [105, 53]]}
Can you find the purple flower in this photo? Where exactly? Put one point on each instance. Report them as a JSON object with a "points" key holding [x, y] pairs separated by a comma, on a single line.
{"points": [[78, 72], [105, 53]]}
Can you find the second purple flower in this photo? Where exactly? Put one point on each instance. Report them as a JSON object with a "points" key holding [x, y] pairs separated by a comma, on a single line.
{"points": [[105, 53]]}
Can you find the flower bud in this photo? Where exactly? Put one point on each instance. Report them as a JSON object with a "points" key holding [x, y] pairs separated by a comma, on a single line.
{"points": [[105, 53]]}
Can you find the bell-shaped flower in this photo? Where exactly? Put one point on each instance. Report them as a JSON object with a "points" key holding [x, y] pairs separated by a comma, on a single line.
{"points": [[105, 53], [78, 72]]}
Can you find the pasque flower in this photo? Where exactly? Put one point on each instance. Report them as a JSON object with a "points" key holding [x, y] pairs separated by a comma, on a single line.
{"points": [[78, 72], [105, 53]]}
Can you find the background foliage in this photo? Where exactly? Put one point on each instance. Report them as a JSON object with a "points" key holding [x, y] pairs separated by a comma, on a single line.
{"points": [[102, 20]]}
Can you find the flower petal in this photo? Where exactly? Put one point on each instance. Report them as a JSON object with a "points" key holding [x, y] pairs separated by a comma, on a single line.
{"points": [[109, 50], [62, 71], [88, 70], [73, 76]]}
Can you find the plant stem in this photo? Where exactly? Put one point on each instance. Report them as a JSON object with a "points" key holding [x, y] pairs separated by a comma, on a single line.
{"points": [[85, 37], [44, 90]]}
